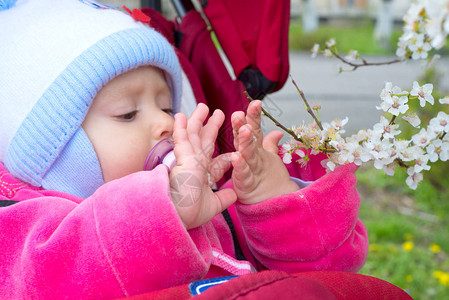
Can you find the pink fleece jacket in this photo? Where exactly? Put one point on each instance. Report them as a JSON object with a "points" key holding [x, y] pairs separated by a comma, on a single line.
{"points": [[127, 238]]}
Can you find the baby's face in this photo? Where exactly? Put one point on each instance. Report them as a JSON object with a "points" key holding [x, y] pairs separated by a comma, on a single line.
{"points": [[129, 115]]}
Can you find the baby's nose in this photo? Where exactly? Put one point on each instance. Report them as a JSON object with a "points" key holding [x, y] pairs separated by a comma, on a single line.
{"points": [[163, 127]]}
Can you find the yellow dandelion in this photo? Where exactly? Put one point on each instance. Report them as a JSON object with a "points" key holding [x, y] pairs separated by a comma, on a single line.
{"points": [[408, 246], [373, 247], [442, 277], [408, 236], [409, 278], [437, 273], [435, 248]]}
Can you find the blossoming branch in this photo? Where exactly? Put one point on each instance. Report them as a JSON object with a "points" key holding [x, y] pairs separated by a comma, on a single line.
{"points": [[426, 27]]}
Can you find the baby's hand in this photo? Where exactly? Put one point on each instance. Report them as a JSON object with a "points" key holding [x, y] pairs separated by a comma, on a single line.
{"points": [[259, 172], [191, 180]]}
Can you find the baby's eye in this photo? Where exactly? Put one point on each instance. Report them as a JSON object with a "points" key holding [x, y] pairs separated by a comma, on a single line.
{"points": [[128, 116], [168, 111]]}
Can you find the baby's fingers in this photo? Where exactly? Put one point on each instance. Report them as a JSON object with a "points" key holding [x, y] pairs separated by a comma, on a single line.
{"points": [[209, 132], [248, 145], [195, 124], [181, 138], [218, 167], [242, 176], [237, 120], [253, 118]]}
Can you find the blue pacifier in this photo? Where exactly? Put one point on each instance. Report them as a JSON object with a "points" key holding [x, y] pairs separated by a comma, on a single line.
{"points": [[162, 153]]}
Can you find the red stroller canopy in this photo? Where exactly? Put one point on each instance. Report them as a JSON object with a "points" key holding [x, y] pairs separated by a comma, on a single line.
{"points": [[254, 35]]}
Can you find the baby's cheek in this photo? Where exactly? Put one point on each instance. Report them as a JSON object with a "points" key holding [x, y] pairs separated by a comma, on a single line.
{"points": [[120, 164]]}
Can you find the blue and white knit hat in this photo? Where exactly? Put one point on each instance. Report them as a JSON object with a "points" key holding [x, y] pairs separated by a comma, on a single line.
{"points": [[54, 58]]}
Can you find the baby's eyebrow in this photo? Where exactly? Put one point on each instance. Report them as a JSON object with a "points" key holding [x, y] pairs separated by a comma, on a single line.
{"points": [[114, 101]]}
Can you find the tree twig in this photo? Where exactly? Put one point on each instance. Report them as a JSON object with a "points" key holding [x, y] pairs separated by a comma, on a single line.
{"points": [[364, 63], [402, 163], [276, 122], [288, 130], [309, 110]]}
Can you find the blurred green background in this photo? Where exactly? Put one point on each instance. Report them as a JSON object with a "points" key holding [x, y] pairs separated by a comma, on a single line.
{"points": [[349, 37], [408, 229]]}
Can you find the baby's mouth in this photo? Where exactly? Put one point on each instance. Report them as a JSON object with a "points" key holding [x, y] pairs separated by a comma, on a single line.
{"points": [[163, 153]]}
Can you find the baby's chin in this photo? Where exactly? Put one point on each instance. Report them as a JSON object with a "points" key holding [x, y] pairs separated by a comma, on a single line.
{"points": [[111, 176]]}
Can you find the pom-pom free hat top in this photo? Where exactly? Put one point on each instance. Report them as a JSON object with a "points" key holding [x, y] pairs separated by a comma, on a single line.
{"points": [[54, 57]]}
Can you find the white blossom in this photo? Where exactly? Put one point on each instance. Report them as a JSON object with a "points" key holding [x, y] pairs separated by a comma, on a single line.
{"points": [[328, 164], [360, 136], [412, 15], [412, 119], [424, 93], [398, 105], [327, 53], [410, 153], [401, 146], [401, 51], [435, 31], [438, 149], [440, 123], [352, 55], [389, 169], [331, 43], [338, 124], [437, 22], [337, 146], [315, 49], [413, 178], [419, 47], [421, 163], [446, 25], [303, 158], [423, 138], [388, 130], [380, 152], [389, 90], [386, 91], [360, 155], [394, 99], [426, 26], [286, 152], [287, 158]]}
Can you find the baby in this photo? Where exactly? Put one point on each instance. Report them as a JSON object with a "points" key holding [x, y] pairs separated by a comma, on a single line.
{"points": [[87, 95]]}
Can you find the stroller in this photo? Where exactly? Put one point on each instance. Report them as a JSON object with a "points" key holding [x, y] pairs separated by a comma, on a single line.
{"points": [[255, 44], [254, 37]]}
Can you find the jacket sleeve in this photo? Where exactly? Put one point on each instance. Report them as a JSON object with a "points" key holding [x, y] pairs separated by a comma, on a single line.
{"points": [[103, 246], [315, 228]]}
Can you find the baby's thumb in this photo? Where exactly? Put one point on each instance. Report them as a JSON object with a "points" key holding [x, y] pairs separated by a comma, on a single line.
{"points": [[227, 197], [271, 141], [218, 167]]}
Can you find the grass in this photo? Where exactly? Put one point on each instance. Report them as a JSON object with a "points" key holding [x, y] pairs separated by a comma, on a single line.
{"points": [[358, 37], [408, 233], [408, 230]]}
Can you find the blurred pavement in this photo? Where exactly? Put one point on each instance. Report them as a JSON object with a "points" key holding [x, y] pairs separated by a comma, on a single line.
{"points": [[348, 94]]}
